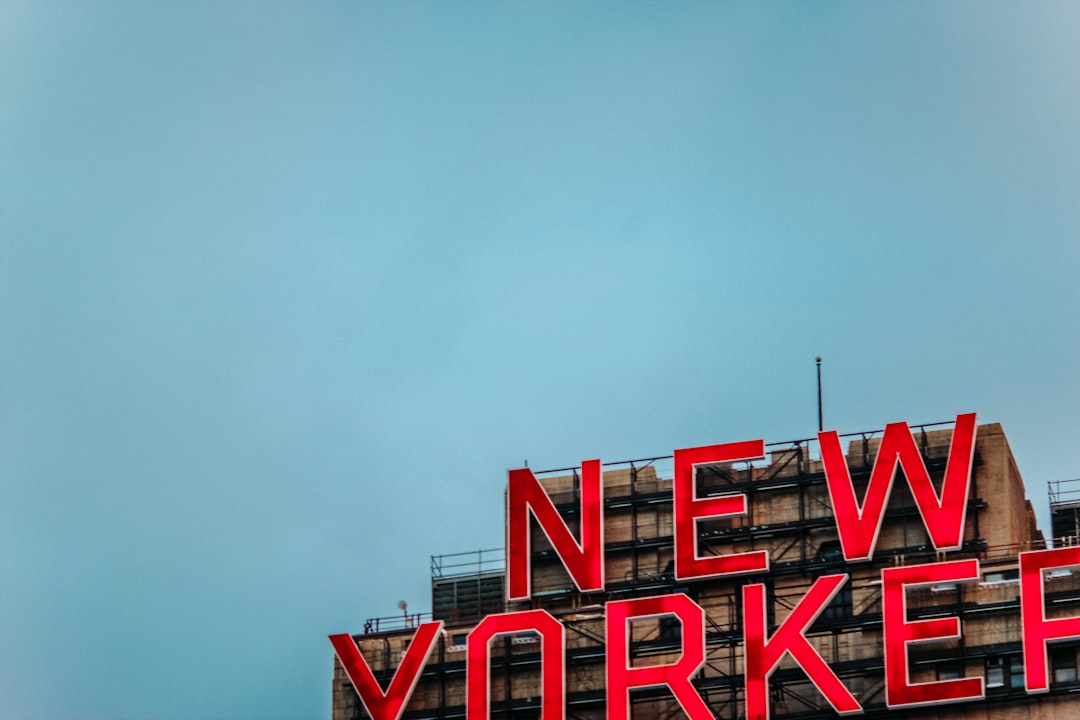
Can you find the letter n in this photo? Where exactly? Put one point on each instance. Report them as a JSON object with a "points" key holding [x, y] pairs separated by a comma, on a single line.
{"points": [[584, 561]]}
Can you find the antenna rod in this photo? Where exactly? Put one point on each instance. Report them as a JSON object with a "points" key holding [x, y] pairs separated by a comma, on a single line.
{"points": [[820, 424]]}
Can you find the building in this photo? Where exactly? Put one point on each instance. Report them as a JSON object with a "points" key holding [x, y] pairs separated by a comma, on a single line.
{"points": [[789, 513]]}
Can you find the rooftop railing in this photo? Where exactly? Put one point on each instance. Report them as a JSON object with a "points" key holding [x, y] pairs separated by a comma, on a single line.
{"points": [[1063, 492], [476, 562], [405, 621], [664, 465]]}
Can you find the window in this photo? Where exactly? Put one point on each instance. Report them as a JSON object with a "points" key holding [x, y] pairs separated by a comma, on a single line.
{"points": [[830, 553], [839, 608], [1016, 671], [1001, 577], [670, 628], [995, 672], [949, 671], [525, 637], [1005, 671], [831, 556], [1063, 661]]}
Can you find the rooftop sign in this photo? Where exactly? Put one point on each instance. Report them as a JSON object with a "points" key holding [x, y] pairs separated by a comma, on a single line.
{"points": [[858, 525]]}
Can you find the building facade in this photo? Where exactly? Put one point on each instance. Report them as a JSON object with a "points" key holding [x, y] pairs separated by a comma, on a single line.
{"points": [[789, 514]]}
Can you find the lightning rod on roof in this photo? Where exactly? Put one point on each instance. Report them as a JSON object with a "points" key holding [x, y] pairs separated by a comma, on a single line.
{"points": [[820, 424]]}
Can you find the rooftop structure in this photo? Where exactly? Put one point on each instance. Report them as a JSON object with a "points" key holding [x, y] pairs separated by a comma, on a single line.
{"points": [[789, 514]]}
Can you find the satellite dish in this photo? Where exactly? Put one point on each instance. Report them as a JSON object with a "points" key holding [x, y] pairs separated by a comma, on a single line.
{"points": [[402, 605]]}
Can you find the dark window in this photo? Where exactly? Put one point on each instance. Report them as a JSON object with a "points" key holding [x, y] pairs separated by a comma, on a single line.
{"points": [[670, 628], [830, 553], [830, 556], [949, 671], [1001, 576], [459, 638], [1063, 661], [839, 608]]}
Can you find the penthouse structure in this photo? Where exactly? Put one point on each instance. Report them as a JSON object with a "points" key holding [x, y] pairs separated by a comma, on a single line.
{"points": [[790, 515]]}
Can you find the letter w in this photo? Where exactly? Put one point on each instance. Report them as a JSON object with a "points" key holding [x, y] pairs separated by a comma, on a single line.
{"points": [[584, 561], [943, 515]]}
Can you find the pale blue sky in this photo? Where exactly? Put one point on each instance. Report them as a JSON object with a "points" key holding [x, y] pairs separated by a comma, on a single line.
{"points": [[285, 289]]}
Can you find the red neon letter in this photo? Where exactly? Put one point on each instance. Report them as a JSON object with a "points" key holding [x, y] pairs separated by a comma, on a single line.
{"points": [[584, 562], [621, 677], [1037, 629], [688, 509], [763, 654], [899, 633], [388, 705], [943, 516], [552, 662]]}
